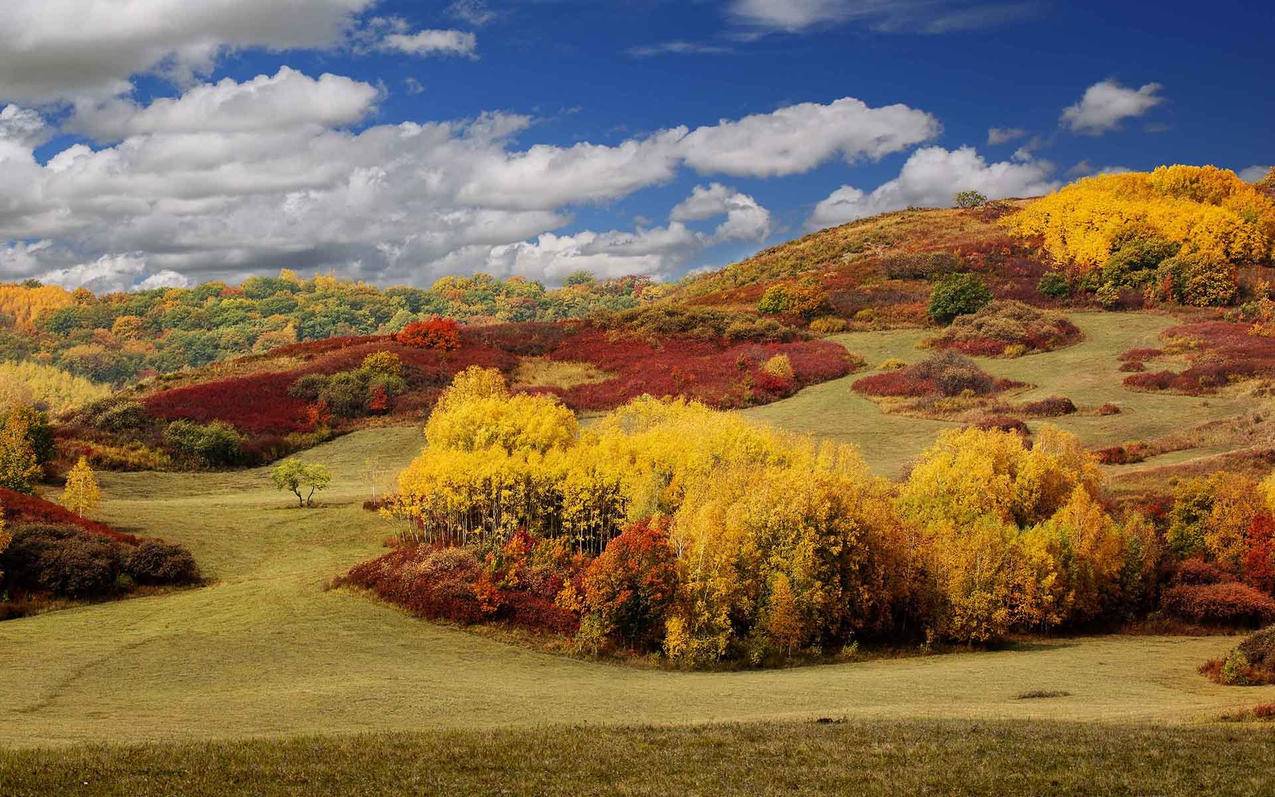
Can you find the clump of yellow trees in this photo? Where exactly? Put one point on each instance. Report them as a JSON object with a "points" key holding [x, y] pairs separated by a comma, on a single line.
{"points": [[785, 544], [1210, 212]]}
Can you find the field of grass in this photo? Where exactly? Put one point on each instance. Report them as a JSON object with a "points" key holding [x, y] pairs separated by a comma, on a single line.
{"points": [[1087, 373], [877, 758], [238, 670]]}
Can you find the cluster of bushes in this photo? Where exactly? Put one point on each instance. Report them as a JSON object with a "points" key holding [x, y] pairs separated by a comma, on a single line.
{"points": [[1006, 328], [922, 265], [1172, 235], [957, 295], [1221, 353], [663, 321], [943, 373], [117, 337], [67, 561], [369, 389], [668, 527], [1251, 663], [802, 299], [440, 334]]}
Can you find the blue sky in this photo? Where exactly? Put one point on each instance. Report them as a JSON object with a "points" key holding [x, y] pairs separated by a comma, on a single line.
{"points": [[151, 144]]}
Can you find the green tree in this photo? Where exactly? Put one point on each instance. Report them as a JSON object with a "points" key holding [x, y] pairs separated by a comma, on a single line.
{"points": [[301, 479], [958, 294], [969, 199]]}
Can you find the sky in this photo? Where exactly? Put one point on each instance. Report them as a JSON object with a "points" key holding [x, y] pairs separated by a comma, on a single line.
{"points": [[160, 143]]}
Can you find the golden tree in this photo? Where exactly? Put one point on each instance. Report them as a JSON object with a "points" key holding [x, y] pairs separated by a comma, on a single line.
{"points": [[82, 494], [18, 464]]}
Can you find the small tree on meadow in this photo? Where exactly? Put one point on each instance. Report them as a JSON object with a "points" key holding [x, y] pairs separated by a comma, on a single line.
{"points": [[301, 479], [82, 494], [958, 294], [19, 466], [969, 199]]}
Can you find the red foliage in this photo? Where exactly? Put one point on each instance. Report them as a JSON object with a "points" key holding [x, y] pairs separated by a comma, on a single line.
{"points": [[254, 404], [903, 382], [1196, 571], [1051, 407], [22, 508], [1229, 603], [1259, 559], [632, 584], [1004, 423], [1226, 352], [440, 334], [1126, 454], [517, 586]]}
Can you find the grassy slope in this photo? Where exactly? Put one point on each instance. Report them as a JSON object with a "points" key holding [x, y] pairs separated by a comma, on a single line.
{"points": [[1087, 373], [878, 758], [266, 651]]}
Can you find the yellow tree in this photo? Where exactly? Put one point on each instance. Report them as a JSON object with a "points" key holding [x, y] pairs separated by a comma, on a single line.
{"points": [[82, 494], [18, 464]]}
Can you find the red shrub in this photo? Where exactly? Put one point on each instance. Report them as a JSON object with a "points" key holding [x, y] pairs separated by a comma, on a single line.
{"points": [[1052, 407], [1126, 454], [20, 508], [1197, 571], [254, 404], [440, 334], [1224, 352], [1004, 423], [1229, 603], [902, 382], [632, 584]]}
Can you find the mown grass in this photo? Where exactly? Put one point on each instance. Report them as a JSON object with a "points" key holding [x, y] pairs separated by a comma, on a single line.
{"points": [[267, 650], [1087, 373], [878, 758]]}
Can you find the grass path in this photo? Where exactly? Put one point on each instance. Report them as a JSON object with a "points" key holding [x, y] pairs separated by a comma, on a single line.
{"points": [[267, 651], [1087, 373]]}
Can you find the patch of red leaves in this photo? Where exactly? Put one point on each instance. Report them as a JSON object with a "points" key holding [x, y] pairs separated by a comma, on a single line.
{"points": [[1228, 603], [22, 508], [1227, 352]]}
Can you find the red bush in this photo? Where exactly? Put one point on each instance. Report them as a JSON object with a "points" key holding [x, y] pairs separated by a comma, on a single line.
{"points": [[1225, 352], [1229, 603], [254, 404], [439, 334], [20, 508], [632, 584], [1259, 559], [1052, 407], [1004, 423]]}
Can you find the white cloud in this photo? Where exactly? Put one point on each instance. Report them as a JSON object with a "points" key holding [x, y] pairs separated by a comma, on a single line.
{"points": [[797, 138], [677, 47], [1107, 103], [71, 49], [22, 127], [1253, 174], [915, 16], [746, 220], [432, 42], [931, 177], [288, 99], [1003, 135], [657, 251], [232, 179], [474, 12], [163, 279]]}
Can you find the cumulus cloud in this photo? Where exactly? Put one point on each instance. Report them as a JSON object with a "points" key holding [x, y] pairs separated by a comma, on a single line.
{"points": [[432, 42], [71, 49], [235, 178], [746, 220], [474, 12], [1254, 174], [1106, 104], [913, 16], [657, 251], [288, 99], [797, 138], [931, 177], [22, 127]]}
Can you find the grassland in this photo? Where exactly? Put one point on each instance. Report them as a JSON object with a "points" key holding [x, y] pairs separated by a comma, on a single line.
{"points": [[237, 670], [1087, 373], [877, 758]]}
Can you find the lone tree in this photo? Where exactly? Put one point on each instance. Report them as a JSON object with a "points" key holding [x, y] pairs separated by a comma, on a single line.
{"points": [[301, 479], [969, 199], [958, 294], [19, 466], [82, 494]]}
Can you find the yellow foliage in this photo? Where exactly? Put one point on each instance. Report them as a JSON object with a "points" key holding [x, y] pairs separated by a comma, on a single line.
{"points": [[779, 367], [21, 307], [1209, 211], [82, 494], [35, 383]]}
